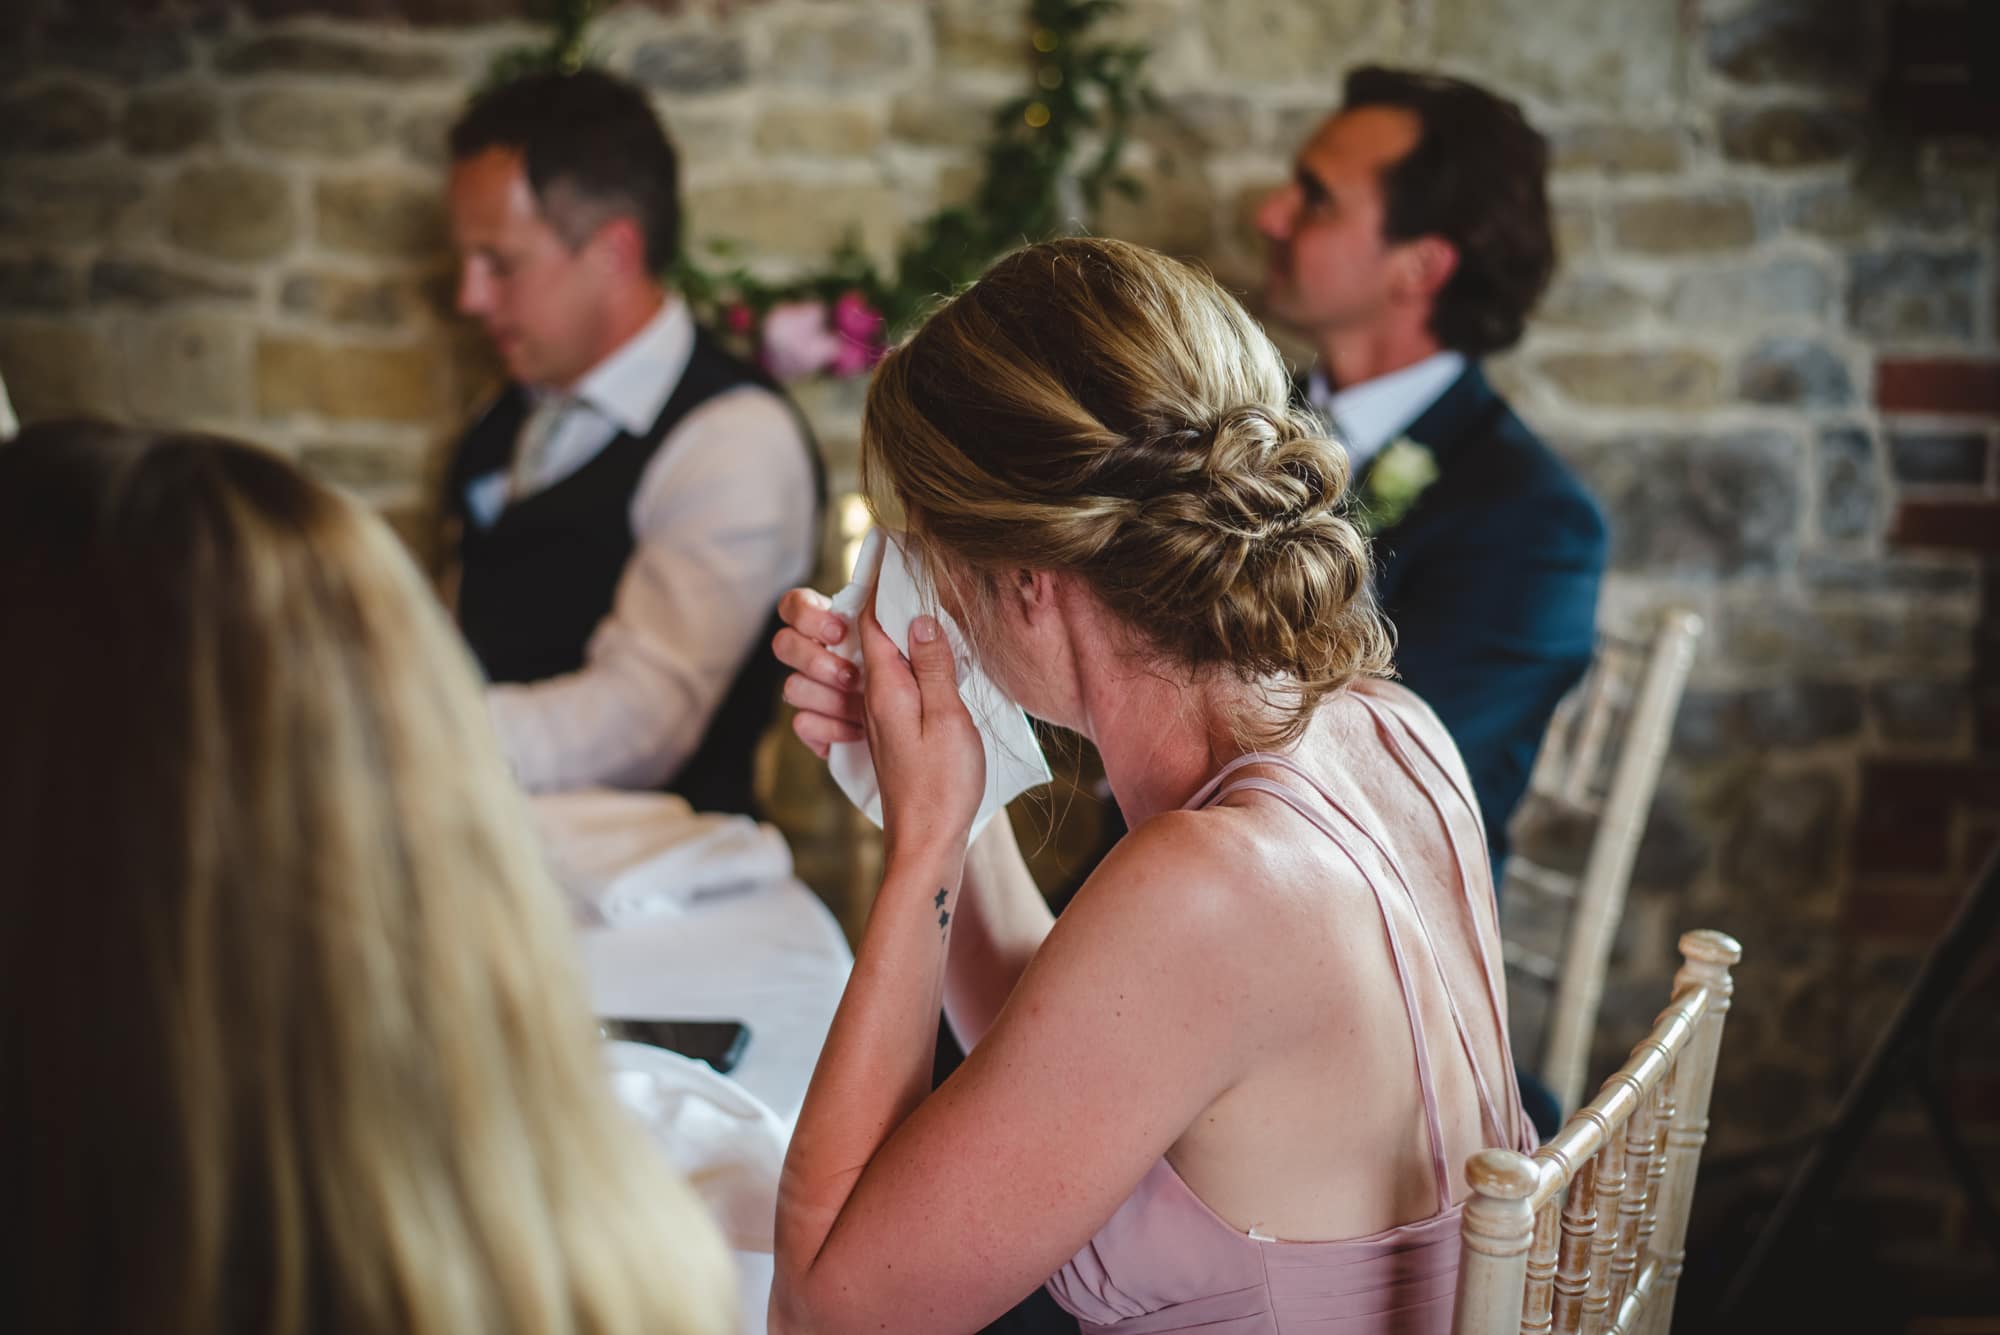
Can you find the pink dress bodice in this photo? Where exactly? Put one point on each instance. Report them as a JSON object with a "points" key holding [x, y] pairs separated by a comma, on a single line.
{"points": [[1166, 1262]]}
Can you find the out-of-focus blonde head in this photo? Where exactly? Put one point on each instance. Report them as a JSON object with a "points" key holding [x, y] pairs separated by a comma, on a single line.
{"points": [[1094, 407], [288, 1013]]}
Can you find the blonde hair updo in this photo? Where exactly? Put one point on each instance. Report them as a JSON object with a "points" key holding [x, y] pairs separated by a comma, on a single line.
{"points": [[1094, 407]]}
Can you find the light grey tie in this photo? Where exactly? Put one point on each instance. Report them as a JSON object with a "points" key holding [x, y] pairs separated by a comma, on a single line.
{"points": [[537, 439]]}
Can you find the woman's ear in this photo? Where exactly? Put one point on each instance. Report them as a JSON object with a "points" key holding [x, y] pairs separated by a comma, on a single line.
{"points": [[1035, 591]]}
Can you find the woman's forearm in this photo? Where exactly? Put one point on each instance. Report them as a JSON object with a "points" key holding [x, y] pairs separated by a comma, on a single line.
{"points": [[1001, 921], [876, 1065]]}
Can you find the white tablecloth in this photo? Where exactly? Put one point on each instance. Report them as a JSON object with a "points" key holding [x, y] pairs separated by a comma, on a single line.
{"points": [[771, 956]]}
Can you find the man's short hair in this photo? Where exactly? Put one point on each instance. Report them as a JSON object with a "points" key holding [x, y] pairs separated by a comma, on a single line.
{"points": [[592, 150], [1478, 177]]}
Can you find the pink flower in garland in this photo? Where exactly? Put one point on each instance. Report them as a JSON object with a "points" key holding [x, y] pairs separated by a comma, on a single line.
{"points": [[739, 318], [859, 326], [797, 341]]}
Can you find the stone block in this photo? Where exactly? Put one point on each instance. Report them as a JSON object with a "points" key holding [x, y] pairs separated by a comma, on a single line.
{"points": [[819, 129], [1174, 212], [1592, 301], [1636, 378], [349, 381], [1799, 289], [1852, 502], [1702, 506], [1676, 844], [375, 303], [1587, 53], [329, 56], [1200, 123], [313, 123], [122, 281], [1824, 43], [67, 201], [1912, 293], [859, 52], [380, 217], [54, 118], [38, 283], [425, 136], [427, 12], [942, 120], [1920, 713], [58, 370], [1277, 41], [1794, 371], [771, 216], [371, 468], [232, 212], [982, 38], [1576, 224], [1789, 136], [1681, 224], [1892, 192], [1937, 579], [1771, 632], [170, 120], [1713, 724], [1782, 846], [1940, 458], [127, 53], [1618, 150], [692, 62], [181, 368]]}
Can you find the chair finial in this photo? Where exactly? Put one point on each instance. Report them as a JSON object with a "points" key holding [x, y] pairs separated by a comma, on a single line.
{"points": [[1711, 947], [1506, 1175]]}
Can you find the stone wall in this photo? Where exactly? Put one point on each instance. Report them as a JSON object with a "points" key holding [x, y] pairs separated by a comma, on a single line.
{"points": [[1771, 350]]}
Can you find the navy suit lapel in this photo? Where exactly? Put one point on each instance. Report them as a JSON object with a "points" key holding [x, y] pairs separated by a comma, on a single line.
{"points": [[1447, 423], [1441, 428]]}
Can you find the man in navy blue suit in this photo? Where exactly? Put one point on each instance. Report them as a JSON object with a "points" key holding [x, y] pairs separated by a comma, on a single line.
{"points": [[1413, 240]]}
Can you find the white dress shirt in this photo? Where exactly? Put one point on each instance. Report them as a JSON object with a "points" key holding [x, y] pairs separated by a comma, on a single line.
{"points": [[1373, 413], [723, 523]]}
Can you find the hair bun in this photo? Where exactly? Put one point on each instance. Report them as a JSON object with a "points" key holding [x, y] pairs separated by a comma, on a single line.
{"points": [[1267, 474]]}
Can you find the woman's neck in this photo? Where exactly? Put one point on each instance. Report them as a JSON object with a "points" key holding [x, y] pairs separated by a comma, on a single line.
{"points": [[1161, 739]]}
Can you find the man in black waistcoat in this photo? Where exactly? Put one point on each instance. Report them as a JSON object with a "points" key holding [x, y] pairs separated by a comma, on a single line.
{"points": [[635, 499]]}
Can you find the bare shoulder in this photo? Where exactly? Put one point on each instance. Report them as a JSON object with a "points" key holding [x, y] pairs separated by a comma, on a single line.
{"points": [[1408, 706], [1246, 877]]}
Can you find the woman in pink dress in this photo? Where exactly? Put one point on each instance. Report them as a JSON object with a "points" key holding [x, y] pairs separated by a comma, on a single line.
{"points": [[1230, 1089]]}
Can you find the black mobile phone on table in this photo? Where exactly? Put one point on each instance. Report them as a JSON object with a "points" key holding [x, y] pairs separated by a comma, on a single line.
{"points": [[720, 1043]]}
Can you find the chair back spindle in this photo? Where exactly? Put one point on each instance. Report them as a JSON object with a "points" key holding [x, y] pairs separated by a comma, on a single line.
{"points": [[1589, 1234]]}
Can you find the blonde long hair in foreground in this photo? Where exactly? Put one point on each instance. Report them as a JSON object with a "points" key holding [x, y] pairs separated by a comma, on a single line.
{"points": [[290, 1030]]}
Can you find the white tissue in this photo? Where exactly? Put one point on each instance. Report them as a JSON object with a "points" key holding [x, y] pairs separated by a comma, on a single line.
{"points": [[1014, 761]]}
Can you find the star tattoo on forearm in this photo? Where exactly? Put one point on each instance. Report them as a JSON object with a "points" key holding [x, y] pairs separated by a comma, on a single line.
{"points": [[944, 915]]}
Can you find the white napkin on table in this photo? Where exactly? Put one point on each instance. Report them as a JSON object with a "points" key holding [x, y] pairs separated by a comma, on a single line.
{"points": [[1014, 760], [623, 856]]}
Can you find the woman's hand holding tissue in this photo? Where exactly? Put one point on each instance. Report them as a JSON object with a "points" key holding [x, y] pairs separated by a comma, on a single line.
{"points": [[824, 687], [928, 755]]}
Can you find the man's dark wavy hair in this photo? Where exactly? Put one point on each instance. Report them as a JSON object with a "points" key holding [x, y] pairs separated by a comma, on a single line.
{"points": [[1478, 177], [590, 140]]}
